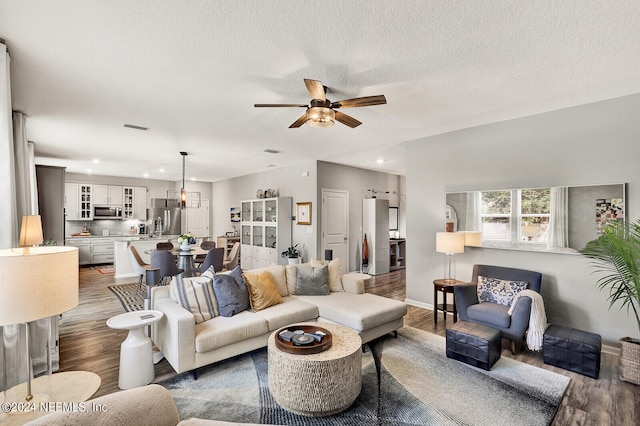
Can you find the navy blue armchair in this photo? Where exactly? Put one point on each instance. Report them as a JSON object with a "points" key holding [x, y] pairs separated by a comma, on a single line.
{"points": [[513, 326]]}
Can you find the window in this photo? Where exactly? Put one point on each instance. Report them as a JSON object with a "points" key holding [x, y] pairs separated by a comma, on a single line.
{"points": [[516, 215]]}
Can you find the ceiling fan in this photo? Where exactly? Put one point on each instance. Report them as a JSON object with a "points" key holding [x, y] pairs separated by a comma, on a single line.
{"points": [[321, 111]]}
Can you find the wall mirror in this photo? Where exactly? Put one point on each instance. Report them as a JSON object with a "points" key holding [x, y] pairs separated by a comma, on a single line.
{"points": [[393, 218], [561, 219]]}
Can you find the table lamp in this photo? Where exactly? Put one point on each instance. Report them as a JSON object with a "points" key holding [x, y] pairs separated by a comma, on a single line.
{"points": [[31, 232], [36, 283], [449, 243]]}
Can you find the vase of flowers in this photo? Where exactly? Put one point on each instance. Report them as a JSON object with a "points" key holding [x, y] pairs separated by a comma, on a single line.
{"points": [[186, 241]]}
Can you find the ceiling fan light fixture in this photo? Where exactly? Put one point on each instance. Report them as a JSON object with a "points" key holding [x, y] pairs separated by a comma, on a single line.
{"points": [[320, 117]]}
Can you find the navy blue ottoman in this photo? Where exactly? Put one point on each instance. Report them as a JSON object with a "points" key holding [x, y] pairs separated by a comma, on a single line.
{"points": [[474, 344], [572, 349]]}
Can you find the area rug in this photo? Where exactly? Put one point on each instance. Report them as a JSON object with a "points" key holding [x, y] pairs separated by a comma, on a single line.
{"points": [[407, 380], [106, 270], [129, 297]]}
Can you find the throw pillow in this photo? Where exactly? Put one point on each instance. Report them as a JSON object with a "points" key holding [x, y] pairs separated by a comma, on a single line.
{"points": [[262, 290], [209, 273], [231, 292], [312, 281], [196, 296], [335, 282], [499, 291], [292, 276]]}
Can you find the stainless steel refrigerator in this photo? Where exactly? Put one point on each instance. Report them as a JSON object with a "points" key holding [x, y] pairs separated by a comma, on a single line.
{"points": [[164, 215]]}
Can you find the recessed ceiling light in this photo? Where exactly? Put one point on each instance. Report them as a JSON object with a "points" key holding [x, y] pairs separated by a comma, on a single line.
{"points": [[133, 126], [193, 179], [161, 170], [270, 151], [145, 175], [89, 171], [380, 161], [95, 161]]}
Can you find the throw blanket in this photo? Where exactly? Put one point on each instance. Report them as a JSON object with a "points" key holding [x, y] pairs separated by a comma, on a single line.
{"points": [[537, 318]]}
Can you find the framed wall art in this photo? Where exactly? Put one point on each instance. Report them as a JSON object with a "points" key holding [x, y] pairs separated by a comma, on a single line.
{"points": [[303, 213]]}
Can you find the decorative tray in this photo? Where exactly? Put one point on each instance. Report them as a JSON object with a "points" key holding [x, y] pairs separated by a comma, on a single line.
{"points": [[306, 344]]}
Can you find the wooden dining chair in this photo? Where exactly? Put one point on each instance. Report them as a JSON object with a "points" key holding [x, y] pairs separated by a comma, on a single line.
{"points": [[139, 265]]}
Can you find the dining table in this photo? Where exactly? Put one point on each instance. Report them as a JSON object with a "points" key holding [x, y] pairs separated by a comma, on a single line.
{"points": [[185, 258]]}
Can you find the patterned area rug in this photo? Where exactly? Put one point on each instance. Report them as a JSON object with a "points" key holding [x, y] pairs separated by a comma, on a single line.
{"points": [[406, 381], [127, 294]]}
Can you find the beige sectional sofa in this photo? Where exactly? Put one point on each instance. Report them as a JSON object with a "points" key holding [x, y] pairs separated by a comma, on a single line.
{"points": [[187, 345]]}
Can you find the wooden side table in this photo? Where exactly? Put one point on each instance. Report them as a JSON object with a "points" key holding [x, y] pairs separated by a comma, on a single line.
{"points": [[445, 287]]}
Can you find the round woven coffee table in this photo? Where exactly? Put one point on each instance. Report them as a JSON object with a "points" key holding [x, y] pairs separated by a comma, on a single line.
{"points": [[318, 384]]}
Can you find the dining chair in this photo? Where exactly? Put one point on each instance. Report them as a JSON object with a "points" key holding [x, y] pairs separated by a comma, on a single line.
{"points": [[165, 261], [164, 246], [232, 260], [214, 258], [139, 265], [206, 245]]}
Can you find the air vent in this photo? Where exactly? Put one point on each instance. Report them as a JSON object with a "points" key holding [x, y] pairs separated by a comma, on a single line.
{"points": [[133, 126], [271, 151]]}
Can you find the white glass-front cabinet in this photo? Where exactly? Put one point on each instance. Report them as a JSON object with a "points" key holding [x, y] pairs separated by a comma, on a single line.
{"points": [[78, 201], [265, 231]]}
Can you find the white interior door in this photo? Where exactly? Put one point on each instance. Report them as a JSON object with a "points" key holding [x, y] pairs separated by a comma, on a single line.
{"points": [[198, 220], [335, 225]]}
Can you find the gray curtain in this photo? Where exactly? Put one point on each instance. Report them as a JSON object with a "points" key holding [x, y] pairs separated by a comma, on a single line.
{"points": [[20, 197]]}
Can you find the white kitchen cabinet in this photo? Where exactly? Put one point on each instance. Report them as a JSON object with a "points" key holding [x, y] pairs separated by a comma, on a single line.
{"points": [[84, 248], [78, 201], [134, 204], [101, 250], [265, 231], [107, 195]]}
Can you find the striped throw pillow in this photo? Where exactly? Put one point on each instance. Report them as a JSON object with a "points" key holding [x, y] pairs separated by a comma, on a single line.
{"points": [[196, 295]]}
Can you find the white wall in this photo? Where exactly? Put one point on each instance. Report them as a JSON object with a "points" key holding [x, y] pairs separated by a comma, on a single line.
{"points": [[596, 143], [288, 181]]}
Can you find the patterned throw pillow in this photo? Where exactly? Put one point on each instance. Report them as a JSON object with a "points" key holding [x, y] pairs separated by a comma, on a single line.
{"points": [[209, 273], [196, 295], [499, 291], [231, 292], [262, 290], [312, 281]]}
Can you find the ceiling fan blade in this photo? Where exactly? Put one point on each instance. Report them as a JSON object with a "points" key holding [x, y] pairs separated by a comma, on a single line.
{"points": [[360, 102], [300, 121], [278, 105], [347, 120], [315, 88]]}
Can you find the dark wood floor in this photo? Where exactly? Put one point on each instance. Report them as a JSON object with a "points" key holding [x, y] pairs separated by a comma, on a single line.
{"points": [[86, 343]]}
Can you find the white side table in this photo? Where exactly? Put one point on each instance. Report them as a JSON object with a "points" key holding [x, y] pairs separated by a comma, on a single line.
{"points": [[136, 360]]}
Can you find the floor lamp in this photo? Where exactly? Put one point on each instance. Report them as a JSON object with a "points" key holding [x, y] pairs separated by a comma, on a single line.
{"points": [[449, 243], [36, 283]]}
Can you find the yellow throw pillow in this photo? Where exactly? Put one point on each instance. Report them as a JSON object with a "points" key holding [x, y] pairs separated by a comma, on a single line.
{"points": [[262, 290]]}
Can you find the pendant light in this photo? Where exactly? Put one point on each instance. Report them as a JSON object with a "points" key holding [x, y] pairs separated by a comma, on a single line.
{"points": [[183, 191]]}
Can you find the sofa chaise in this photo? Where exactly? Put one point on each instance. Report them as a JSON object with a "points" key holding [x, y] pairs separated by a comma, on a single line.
{"points": [[190, 340]]}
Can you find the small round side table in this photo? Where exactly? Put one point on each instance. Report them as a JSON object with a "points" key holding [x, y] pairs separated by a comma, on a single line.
{"points": [[446, 287], [136, 359]]}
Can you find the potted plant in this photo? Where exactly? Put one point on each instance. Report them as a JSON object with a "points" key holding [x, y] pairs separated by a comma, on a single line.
{"points": [[186, 241], [292, 253], [616, 255]]}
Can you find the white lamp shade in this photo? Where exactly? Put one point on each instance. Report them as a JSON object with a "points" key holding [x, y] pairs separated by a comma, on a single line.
{"points": [[449, 242], [37, 285], [473, 238], [31, 231]]}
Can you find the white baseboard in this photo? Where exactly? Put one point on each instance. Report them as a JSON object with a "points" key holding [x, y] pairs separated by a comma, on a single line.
{"points": [[419, 304]]}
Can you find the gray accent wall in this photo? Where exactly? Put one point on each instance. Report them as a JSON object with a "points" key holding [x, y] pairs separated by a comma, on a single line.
{"points": [[597, 143]]}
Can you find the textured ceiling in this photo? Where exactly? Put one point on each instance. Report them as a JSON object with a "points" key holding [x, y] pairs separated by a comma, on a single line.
{"points": [[191, 72]]}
